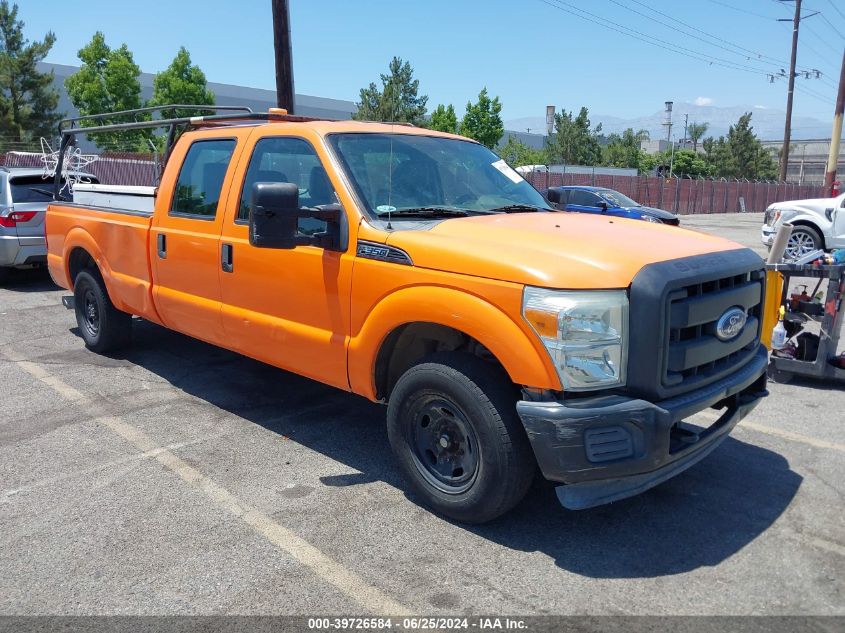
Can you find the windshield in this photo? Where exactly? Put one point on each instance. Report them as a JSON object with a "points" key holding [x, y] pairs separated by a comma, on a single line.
{"points": [[396, 172], [617, 199]]}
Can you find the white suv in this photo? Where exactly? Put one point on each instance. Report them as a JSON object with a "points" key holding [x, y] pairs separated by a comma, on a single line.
{"points": [[819, 224]]}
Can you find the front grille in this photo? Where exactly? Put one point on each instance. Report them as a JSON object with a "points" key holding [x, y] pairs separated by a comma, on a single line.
{"points": [[695, 353], [674, 309]]}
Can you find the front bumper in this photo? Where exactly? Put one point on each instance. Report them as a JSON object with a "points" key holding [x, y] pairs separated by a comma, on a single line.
{"points": [[767, 235], [608, 448]]}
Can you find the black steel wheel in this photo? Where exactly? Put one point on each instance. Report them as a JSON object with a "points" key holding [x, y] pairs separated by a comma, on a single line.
{"points": [[454, 429], [102, 326], [445, 445]]}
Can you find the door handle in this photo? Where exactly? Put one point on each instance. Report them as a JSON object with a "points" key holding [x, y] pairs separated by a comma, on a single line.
{"points": [[226, 261], [161, 243]]}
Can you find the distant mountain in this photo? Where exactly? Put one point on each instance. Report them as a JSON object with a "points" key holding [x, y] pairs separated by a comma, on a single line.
{"points": [[767, 123]]}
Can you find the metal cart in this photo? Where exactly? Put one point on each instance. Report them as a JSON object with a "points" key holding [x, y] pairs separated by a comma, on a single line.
{"points": [[830, 322]]}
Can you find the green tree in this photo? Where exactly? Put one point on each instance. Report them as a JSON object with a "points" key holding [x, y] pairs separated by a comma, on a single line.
{"points": [[574, 141], [696, 131], [397, 100], [108, 82], [624, 150], [483, 121], [516, 153], [27, 99], [444, 119], [686, 162], [182, 82], [740, 154]]}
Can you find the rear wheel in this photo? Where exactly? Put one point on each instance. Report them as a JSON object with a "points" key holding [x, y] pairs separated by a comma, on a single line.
{"points": [[802, 240], [102, 326], [453, 426]]}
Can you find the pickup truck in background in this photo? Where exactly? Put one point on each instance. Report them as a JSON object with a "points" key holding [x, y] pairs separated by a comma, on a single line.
{"points": [[818, 223], [417, 269]]}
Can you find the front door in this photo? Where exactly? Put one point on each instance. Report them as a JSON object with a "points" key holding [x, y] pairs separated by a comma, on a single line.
{"points": [[583, 202], [838, 237], [184, 240], [286, 307]]}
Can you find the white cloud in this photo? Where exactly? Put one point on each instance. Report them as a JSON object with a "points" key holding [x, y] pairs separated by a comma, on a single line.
{"points": [[761, 107], [703, 101]]}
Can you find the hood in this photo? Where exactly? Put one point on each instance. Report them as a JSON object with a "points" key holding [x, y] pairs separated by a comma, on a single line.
{"points": [[658, 213], [553, 250], [810, 203]]}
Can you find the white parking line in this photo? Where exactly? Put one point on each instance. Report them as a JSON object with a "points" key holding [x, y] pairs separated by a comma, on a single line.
{"points": [[354, 586], [786, 435]]}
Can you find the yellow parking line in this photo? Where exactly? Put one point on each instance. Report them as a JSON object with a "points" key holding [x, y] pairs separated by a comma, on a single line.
{"points": [[351, 584]]}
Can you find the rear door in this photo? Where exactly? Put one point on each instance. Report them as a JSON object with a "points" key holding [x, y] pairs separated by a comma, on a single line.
{"points": [[185, 236], [583, 201]]}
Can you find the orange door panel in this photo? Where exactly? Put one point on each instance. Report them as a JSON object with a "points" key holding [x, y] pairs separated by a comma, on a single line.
{"points": [[289, 308]]}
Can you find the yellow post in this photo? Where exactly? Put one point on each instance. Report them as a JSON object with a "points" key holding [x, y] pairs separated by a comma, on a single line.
{"points": [[771, 306]]}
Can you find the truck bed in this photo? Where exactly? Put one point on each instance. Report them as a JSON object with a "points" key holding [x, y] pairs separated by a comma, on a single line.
{"points": [[117, 239]]}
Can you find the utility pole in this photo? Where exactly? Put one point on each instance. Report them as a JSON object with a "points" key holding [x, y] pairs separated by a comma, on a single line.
{"points": [[686, 122], [282, 45], [836, 135], [787, 129]]}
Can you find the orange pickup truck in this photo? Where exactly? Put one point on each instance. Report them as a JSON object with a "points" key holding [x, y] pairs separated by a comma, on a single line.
{"points": [[417, 269]]}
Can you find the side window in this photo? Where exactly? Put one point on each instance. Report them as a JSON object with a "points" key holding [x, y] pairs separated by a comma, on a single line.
{"points": [[583, 198], [201, 178], [285, 159]]}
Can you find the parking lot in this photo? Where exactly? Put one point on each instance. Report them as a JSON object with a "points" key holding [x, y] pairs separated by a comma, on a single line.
{"points": [[178, 478]]}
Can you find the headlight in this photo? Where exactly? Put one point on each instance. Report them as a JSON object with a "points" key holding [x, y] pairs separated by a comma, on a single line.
{"points": [[651, 218], [585, 333]]}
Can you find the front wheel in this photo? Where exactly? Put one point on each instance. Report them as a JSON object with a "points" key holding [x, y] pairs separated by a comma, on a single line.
{"points": [[453, 426], [802, 240], [102, 326]]}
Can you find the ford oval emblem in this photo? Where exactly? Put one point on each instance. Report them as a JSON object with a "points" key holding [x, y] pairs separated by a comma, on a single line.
{"points": [[731, 323]]}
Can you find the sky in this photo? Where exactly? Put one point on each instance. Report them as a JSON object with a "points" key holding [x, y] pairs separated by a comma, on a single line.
{"points": [[528, 52]]}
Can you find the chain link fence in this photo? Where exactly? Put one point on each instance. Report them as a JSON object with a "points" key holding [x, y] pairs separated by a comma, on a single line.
{"points": [[687, 196]]}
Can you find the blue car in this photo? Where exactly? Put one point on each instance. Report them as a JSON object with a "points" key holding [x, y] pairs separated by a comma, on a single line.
{"points": [[607, 202]]}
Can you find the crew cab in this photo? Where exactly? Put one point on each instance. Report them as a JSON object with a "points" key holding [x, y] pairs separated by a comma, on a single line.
{"points": [[417, 269], [818, 224]]}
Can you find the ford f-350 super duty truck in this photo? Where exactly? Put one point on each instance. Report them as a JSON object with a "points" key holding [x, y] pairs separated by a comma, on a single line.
{"points": [[417, 269]]}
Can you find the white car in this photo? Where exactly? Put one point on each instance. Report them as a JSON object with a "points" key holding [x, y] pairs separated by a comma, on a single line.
{"points": [[819, 224]]}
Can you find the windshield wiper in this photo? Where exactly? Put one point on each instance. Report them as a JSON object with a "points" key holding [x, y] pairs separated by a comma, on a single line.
{"points": [[429, 212], [517, 208]]}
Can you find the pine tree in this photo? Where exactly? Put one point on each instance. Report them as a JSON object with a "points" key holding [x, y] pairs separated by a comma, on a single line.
{"points": [[27, 98]]}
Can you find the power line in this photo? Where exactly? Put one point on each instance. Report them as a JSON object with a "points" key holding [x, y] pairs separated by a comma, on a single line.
{"points": [[830, 24], [729, 6], [757, 54], [836, 9], [643, 37]]}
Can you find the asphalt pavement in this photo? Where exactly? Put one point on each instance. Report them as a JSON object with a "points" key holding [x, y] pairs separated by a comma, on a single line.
{"points": [[179, 478]]}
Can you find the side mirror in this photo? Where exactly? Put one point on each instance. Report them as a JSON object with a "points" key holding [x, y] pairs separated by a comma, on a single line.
{"points": [[553, 195], [602, 205], [274, 215]]}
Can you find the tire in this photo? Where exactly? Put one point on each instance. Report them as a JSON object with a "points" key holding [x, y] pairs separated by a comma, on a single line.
{"points": [[453, 426], [102, 326], [5, 273], [804, 239]]}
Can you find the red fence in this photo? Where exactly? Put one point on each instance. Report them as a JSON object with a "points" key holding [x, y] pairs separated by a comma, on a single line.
{"points": [[687, 195], [112, 169]]}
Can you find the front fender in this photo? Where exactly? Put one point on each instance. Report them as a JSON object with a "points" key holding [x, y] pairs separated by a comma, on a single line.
{"points": [[817, 219], [513, 344]]}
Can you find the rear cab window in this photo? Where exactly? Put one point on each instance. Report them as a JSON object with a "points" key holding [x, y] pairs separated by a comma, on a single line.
{"points": [[25, 189], [201, 176]]}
